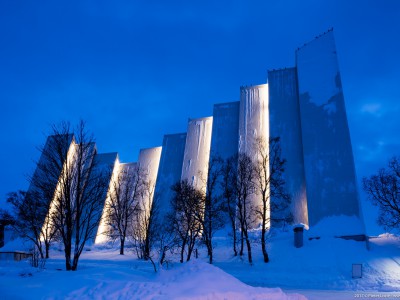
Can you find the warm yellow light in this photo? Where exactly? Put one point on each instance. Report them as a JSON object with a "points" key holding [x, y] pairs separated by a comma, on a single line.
{"points": [[48, 225], [101, 236]]}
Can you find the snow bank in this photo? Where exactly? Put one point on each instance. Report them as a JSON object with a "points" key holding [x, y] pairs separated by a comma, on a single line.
{"points": [[337, 226], [200, 280], [17, 244], [107, 275]]}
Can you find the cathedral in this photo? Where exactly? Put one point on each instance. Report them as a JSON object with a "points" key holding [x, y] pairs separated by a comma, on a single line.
{"points": [[303, 105]]}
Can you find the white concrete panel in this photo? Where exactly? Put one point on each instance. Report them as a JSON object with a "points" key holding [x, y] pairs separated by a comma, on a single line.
{"points": [[253, 117], [148, 162], [253, 124], [115, 169], [197, 152]]}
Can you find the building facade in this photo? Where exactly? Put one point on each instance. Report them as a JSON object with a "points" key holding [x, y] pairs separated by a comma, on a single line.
{"points": [[304, 106]]}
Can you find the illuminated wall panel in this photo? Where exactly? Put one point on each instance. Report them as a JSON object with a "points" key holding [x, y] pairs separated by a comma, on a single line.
{"points": [[110, 165], [148, 162], [253, 117], [253, 124], [51, 178], [197, 152], [67, 164]]}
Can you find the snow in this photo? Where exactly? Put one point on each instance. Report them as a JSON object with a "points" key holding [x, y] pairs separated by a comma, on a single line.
{"points": [[107, 275], [321, 269], [338, 226], [203, 281], [17, 244]]}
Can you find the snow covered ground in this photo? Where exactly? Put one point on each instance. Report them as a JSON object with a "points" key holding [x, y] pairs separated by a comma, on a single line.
{"points": [[108, 275], [321, 269]]}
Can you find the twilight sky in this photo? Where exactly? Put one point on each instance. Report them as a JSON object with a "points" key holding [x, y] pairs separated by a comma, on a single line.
{"points": [[135, 71]]}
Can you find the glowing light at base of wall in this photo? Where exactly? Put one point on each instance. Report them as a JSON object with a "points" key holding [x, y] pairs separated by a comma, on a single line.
{"points": [[48, 225], [101, 236]]}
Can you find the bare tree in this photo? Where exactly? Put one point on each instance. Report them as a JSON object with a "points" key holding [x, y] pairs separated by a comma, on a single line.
{"points": [[164, 236], [160, 238], [244, 187], [124, 196], [27, 220], [6, 219], [210, 211], [75, 210], [167, 242], [383, 190], [269, 182], [150, 219], [228, 183], [145, 225], [186, 205], [31, 208]]}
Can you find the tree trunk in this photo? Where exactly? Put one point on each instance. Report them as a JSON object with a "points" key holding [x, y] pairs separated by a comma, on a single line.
{"points": [[182, 251], [234, 237], [210, 251], [40, 251], [209, 247], [249, 251], [68, 257], [190, 249], [75, 263], [47, 245], [248, 248], [147, 248], [164, 250], [234, 243], [209, 237], [241, 243], [264, 246], [122, 246]]}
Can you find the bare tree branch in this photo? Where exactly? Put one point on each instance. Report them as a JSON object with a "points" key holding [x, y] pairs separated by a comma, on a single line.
{"points": [[383, 190], [269, 182]]}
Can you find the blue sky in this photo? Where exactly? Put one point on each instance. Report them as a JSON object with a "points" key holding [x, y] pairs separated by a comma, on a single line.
{"points": [[135, 71]]}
